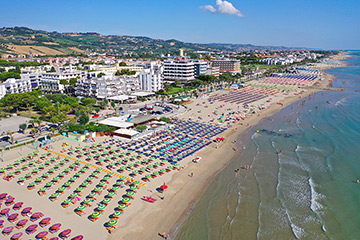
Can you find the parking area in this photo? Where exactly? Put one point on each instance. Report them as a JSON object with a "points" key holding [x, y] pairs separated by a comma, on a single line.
{"points": [[12, 123]]}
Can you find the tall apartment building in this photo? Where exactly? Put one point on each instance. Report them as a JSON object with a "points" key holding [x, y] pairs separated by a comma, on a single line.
{"points": [[215, 71], [151, 78], [179, 70], [200, 67], [227, 65]]}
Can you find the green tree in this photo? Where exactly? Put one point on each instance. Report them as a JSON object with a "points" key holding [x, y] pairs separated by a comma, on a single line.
{"points": [[100, 75], [112, 104], [88, 101], [52, 69], [23, 126], [84, 119], [64, 82], [73, 81], [164, 119], [141, 128], [122, 64], [97, 109]]}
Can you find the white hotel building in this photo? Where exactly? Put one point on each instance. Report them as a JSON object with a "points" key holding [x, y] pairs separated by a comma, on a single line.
{"points": [[179, 70]]}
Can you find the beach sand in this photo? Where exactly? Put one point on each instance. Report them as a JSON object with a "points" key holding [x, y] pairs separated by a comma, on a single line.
{"points": [[147, 222]]}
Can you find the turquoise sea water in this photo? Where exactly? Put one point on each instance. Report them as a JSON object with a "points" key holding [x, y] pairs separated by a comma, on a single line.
{"points": [[298, 187]]}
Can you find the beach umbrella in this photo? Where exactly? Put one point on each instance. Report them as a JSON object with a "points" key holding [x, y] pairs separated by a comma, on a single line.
{"points": [[66, 201], [13, 216], [65, 233], [90, 178], [79, 189], [133, 187], [73, 195], [8, 230], [87, 201], [54, 195], [92, 195], [115, 188], [61, 189], [31, 227], [45, 220], [106, 177], [42, 234], [95, 215], [4, 211], [54, 238], [81, 207], [67, 184], [26, 210], [117, 214], [37, 215], [111, 194], [17, 235], [101, 207], [22, 222], [102, 183], [126, 199], [78, 237], [130, 194], [18, 205], [106, 201], [84, 184], [97, 189], [112, 222], [56, 226], [122, 206]]}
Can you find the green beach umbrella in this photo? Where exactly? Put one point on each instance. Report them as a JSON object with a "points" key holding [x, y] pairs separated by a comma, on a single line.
{"points": [[79, 189], [106, 177], [56, 179], [122, 206], [95, 215], [49, 184], [84, 184], [21, 179], [88, 200], [112, 222], [122, 178], [117, 214], [90, 178], [136, 182], [92, 195], [62, 174], [61, 189], [97, 189], [118, 183], [32, 184], [126, 199], [73, 179], [39, 179], [74, 195], [28, 175], [101, 207], [133, 187], [148, 176], [43, 189], [54, 195], [130, 194], [67, 184], [106, 200], [81, 207], [111, 194]]}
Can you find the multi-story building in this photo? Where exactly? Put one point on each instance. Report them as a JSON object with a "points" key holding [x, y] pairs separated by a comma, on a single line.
{"points": [[200, 67], [13, 85], [107, 86], [151, 79], [227, 65], [179, 70], [215, 71], [33, 77], [50, 81]]}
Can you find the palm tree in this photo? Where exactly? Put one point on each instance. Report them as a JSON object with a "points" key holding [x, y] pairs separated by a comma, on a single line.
{"points": [[33, 131], [53, 130], [38, 121], [32, 122], [9, 133]]}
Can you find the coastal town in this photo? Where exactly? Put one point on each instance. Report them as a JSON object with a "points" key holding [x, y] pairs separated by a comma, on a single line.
{"points": [[89, 143]]}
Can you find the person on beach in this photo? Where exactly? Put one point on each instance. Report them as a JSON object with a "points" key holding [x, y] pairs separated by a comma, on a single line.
{"points": [[357, 180]]}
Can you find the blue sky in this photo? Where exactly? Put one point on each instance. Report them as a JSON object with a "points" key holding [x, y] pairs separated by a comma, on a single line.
{"points": [[327, 24]]}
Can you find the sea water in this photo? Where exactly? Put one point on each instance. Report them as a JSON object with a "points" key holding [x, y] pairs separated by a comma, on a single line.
{"points": [[304, 163]]}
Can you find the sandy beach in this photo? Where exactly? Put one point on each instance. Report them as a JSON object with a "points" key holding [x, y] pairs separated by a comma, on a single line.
{"points": [[147, 222]]}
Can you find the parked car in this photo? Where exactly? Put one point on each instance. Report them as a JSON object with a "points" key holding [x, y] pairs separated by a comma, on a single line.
{"points": [[95, 116], [159, 112], [142, 109]]}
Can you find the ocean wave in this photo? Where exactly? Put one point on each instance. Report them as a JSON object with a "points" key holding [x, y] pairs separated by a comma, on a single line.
{"points": [[341, 101], [315, 205], [297, 231]]}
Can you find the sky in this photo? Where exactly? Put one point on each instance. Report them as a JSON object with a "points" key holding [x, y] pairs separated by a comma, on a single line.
{"points": [[324, 24]]}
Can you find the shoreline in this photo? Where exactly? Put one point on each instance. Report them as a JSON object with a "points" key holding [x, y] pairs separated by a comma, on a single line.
{"points": [[183, 194]]}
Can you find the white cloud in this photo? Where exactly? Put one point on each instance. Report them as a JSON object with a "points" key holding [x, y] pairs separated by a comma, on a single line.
{"points": [[223, 7]]}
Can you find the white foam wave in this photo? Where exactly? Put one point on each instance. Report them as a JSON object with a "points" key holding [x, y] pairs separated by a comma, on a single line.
{"points": [[341, 101], [315, 205], [297, 231]]}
